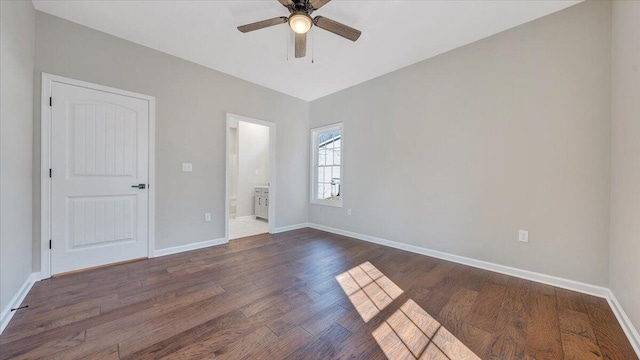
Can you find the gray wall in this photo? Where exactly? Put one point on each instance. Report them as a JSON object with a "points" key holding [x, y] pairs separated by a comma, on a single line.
{"points": [[624, 264], [17, 19], [191, 102], [458, 152]]}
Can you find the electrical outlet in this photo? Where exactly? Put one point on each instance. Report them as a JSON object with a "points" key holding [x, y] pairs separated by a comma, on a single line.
{"points": [[187, 167], [523, 235], [349, 212], [207, 217]]}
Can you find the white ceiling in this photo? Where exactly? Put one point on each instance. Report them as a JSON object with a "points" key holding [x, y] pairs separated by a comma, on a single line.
{"points": [[394, 34]]}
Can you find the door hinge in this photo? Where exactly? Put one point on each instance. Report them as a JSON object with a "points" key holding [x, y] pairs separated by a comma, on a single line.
{"points": [[50, 172], [50, 101], [49, 244]]}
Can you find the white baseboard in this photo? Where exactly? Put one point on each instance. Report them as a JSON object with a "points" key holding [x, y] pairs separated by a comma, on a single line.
{"points": [[595, 290], [189, 247], [17, 299], [585, 288], [625, 322], [290, 228]]}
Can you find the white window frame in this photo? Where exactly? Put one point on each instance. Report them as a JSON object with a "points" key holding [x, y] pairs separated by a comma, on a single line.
{"points": [[314, 165]]}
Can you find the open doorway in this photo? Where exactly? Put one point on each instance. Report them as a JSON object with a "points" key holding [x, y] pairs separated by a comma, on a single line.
{"points": [[250, 175]]}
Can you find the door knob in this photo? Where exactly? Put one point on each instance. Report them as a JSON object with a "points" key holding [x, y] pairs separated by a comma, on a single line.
{"points": [[139, 186]]}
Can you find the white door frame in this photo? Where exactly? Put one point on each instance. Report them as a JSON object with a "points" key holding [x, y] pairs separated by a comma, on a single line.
{"points": [[45, 163], [272, 170]]}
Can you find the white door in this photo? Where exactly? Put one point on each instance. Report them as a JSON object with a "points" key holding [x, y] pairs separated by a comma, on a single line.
{"points": [[99, 151]]}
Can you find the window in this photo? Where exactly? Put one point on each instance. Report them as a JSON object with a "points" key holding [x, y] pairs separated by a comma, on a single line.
{"points": [[326, 165]]}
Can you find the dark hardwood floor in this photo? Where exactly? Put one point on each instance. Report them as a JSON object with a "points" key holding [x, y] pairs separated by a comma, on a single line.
{"points": [[277, 297]]}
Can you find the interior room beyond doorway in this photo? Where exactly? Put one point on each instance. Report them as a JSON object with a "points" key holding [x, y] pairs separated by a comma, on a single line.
{"points": [[248, 179]]}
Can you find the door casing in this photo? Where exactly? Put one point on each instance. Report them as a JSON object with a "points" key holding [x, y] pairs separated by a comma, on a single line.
{"points": [[45, 164]]}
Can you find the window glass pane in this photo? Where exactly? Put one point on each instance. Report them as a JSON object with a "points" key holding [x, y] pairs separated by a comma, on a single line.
{"points": [[326, 193], [320, 174], [335, 183], [329, 157], [325, 137], [327, 175], [336, 156], [322, 157]]}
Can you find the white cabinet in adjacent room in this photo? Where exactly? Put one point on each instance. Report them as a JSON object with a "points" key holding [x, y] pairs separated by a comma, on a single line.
{"points": [[261, 202]]}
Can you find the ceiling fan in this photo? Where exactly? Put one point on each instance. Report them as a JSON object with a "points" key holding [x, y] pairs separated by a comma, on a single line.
{"points": [[300, 21]]}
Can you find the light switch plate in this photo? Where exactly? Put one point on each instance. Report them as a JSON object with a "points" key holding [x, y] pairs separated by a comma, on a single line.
{"points": [[207, 217], [187, 167], [523, 235]]}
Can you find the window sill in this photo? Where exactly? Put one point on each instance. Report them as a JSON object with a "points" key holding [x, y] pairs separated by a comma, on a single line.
{"points": [[327, 203]]}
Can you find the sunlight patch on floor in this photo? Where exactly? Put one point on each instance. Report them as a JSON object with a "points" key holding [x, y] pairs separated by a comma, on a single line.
{"points": [[369, 290], [410, 332]]}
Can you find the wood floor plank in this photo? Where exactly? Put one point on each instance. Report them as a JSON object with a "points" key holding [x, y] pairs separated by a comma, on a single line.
{"points": [[321, 321], [570, 300], [433, 353], [38, 327], [509, 339], [391, 343], [576, 347], [324, 346], [470, 278], [286, 344], [451, 346], [440, 295], [184, 319], [251, 344], [351, 321], [457, 309], [477, 340], [44, 349], [608, 332], [108, 353], [171, 305], [299, 315], [484, 313], [576, 323], [454, 317], [222, 328], [277, 297], [543, 330]]}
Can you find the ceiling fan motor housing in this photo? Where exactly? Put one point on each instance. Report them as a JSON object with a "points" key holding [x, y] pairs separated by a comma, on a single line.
{"points": [[301, 6]]}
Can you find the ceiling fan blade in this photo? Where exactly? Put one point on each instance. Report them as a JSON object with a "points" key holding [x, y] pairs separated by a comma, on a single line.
{"points": [[337, 28], [317, 4], [262, 24], [286, 3], [301, 45]]}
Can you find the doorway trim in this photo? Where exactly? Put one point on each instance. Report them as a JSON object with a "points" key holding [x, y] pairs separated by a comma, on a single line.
{"points": [[45, 163], [272, 170]]}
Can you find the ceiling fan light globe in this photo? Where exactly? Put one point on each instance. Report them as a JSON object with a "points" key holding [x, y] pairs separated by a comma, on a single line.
{"points": [[300, 23]]}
